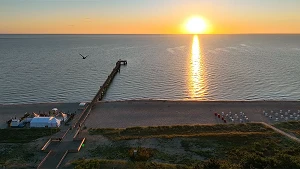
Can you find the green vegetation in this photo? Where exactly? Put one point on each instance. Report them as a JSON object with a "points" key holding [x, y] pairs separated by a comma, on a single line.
{"points": [[290, 127], [141, 154], [111, 152], [15, 154], [100, 163], [179, 131], [123, 152], [24, 135], [240, 146]]}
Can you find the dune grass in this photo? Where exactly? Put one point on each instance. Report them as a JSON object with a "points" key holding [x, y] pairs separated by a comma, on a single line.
{"points": [[180, 131], [290, 127], [16, 153], [204, 146], [24, 135], [232, 152], [101, 163]]}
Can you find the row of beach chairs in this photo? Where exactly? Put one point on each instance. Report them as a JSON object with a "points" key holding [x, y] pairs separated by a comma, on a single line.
{"points": [[282, 115], [232, 117]]}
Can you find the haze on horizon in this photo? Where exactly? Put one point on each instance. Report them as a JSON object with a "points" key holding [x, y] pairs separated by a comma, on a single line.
{"points": [[147, 16]]}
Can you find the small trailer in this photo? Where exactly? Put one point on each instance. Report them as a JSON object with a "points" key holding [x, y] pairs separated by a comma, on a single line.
{"points": [[82, 105]]}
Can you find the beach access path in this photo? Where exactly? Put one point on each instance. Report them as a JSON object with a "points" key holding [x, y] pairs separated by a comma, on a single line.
{"points": [[282, 132]]}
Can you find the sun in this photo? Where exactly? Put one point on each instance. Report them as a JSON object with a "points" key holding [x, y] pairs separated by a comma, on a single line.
{"points": [[196, 25]]}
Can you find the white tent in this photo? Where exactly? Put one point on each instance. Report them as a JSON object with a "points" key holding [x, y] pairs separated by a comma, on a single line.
{"points": [[44, 122]]}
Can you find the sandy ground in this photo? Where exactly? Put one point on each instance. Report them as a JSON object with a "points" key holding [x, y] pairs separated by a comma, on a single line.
{"points": [[132, 113], [9, 111], [121, 114]]}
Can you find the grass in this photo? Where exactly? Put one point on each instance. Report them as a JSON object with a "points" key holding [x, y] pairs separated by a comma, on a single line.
{"points": [[179, 131], [15, 154], [290, 127], [24, 135], [100, 163], [123, 152], [231, 146], [111, 152]]}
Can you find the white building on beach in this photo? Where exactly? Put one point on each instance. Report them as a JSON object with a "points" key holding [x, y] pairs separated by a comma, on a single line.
{"points": [[44, 122]]}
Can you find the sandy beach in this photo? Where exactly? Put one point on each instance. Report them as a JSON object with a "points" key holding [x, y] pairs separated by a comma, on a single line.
{"points": [[18, 110], [122, 114]]}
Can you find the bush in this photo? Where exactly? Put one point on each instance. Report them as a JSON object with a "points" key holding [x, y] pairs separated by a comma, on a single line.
{"points": [[211, 164], [254, 161], [87, 164], [142, 154]]}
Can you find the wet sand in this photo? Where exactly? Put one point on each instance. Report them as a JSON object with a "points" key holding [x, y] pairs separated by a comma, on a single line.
{"points": [[122, 114], [9, 111]]}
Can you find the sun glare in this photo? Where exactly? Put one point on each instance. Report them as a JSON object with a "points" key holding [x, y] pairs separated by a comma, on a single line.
{"points": [[196, 25]]}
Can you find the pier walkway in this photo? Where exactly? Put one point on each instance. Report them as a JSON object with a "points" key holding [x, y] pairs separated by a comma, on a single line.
{"points": [[100, 94], [58, 148]]}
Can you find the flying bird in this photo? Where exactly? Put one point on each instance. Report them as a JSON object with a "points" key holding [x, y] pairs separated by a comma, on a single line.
{"points": [[83, 57]]}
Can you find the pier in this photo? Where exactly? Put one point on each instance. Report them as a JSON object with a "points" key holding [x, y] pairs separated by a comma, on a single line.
{"points": [[100, 94], [58, 148]]}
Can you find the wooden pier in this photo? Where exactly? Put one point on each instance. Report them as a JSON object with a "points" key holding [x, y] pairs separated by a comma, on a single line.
{"points": [[100, 94]]}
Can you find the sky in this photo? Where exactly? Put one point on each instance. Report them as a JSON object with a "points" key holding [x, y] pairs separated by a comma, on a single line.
{"points": [[147, 16]]}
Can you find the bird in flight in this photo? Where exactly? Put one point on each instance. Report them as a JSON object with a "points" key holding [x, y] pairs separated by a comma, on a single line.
{"points": [[83, 57]]}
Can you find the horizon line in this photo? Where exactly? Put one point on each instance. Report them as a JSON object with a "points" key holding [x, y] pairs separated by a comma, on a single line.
{"points": [[148, 34]]}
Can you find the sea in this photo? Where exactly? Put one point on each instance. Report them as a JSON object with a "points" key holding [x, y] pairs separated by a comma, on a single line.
{"points": [[49, 68]]}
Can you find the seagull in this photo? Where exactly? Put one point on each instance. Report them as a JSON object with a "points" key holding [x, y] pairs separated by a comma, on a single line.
{"points": [[83, 57]]}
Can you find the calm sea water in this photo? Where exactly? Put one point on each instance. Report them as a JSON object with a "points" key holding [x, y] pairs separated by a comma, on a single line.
{"points": [[48, 68]]}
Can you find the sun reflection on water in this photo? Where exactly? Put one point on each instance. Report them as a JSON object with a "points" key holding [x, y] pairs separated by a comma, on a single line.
{"points": [[197, 86]]}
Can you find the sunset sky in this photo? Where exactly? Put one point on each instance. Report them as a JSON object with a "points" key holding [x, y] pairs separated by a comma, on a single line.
{"points": [[147, 16]]}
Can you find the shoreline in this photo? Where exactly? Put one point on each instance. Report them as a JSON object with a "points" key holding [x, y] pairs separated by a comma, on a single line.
{"points": [[148, 112], [16, 104], [188, 100], [135, 100]]}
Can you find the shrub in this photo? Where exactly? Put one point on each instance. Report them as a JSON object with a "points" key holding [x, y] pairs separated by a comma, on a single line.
{"points": [[142, 154], [211, 164]]}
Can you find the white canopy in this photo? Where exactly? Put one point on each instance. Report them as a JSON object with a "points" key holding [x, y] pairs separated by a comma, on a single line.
{"points": [[44, 122]]}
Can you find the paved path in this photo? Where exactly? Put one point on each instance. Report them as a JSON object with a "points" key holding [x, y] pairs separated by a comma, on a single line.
{"points": [[282, 132], [52, 160], [58, 150]]}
